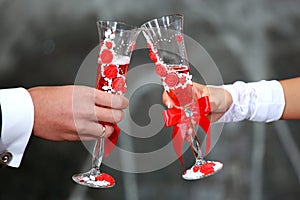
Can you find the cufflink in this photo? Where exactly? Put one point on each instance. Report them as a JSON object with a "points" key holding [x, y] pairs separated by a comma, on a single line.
{"points": [[5, 158]]}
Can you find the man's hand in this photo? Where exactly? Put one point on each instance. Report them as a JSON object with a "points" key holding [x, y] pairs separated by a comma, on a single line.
{"points": [[71, 113]]}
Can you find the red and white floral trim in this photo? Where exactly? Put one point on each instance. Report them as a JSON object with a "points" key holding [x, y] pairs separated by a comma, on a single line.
{"points": [[172, 76], [201, 171], [112, 67], [103, 180]]}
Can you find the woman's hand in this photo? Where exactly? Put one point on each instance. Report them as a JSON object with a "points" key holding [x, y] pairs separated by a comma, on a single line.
{"points": [[220, 99]]}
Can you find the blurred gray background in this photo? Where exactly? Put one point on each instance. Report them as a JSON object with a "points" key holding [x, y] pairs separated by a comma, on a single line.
{"points": [[44, 43]]}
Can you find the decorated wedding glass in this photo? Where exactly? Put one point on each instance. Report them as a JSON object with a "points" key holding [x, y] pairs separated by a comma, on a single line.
{"points": [[167, 50], [117, 41]]}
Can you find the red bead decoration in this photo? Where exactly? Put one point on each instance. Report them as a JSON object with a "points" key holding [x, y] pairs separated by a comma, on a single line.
{"points": [[108, 45], [171, 79], [111, 71], [179, 38], [106, 56], [160, 70], [118, 84]]}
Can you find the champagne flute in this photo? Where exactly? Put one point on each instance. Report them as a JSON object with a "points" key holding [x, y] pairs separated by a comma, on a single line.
{"points": [[166, 45], [117, 41]]}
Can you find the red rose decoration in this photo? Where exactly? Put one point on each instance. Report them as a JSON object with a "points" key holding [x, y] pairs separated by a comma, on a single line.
{"points": [[152, 56], [182, 80], [119, 84], [196, 168], [171, 79], [105, 177], [106, 56], [207, 168], [99, 178], [108, 45], [111, 71], [179, 38], [160, 70]]}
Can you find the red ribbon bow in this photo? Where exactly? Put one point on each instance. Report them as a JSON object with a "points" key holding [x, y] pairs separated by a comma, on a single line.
{"points": [[181, 120]]}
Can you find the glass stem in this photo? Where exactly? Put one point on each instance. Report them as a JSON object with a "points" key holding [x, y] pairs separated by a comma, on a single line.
{"points": [[196, 148], [98, 153]]}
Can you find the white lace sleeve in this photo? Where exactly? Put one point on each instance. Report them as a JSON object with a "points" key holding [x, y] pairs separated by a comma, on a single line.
{"points": [[261, 101]]}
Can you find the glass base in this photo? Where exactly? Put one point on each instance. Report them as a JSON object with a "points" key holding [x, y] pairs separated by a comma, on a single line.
{"points": [[95, 179], [199, 171]]}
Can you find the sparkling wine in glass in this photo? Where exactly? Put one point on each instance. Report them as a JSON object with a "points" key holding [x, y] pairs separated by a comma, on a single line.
{"points": [[167, 50], [117, 41]]}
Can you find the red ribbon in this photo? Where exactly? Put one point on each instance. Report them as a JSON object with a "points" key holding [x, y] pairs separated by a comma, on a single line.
{"points": [[178, 118], [111, 141]]}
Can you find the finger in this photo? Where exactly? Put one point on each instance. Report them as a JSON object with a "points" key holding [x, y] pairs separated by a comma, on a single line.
{"points": [[220, 99], [110, 100], [215, 116], [79, 136], [108, 131], [200, 90], [83, 138], [93, 131], [108, 115]]}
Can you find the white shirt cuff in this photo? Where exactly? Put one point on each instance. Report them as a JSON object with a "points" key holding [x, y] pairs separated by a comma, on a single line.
{"points": [[17, 122], [261, 101]]}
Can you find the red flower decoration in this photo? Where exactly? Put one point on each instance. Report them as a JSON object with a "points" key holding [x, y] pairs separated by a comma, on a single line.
{"points": [[108, 45], [179, 38], [99, 178], [111, 71], [106, 56], [207, 168], [171, 79], [105, 177], [196, 168], [119, 84], [160, 70], [152, 56], [182, 80]]}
